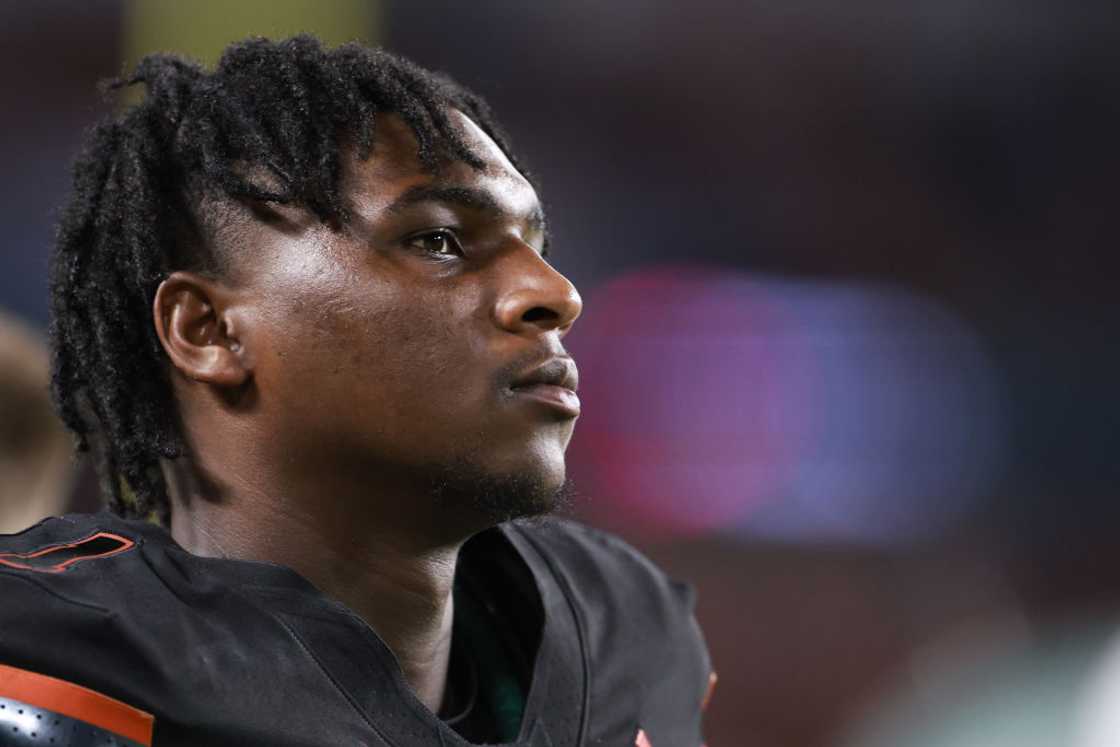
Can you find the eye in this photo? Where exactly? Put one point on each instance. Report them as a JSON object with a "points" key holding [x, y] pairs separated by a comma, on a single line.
{"points": [[440, 243]]}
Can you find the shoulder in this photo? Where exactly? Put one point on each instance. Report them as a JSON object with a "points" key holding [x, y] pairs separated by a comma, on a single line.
{"points": [[67, 653], [97, 606], [605, 568], [79, 559], [101, 586], [639, 623], [79, 580]]}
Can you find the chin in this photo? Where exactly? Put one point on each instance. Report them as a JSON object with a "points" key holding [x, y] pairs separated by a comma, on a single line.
{"points": [[501, 494]]}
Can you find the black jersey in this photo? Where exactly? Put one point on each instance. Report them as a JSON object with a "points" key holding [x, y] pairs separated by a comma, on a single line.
{"points": [[110, 633]]}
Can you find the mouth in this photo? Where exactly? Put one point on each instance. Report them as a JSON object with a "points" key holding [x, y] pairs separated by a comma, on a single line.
{"points": [[551, 385], [551, 396]]}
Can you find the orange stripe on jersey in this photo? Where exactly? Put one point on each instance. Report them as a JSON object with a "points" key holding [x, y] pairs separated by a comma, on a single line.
{"points": [[77, 702]]}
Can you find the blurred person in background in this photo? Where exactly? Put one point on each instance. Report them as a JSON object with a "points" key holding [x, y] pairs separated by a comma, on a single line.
{"points": [[35, 462]]}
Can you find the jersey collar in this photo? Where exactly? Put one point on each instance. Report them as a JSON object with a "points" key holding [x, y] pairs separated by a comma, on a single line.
{"points": [[367, 673]]}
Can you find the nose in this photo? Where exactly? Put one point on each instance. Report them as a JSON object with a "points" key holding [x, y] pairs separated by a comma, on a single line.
{"points": [[536, 297]]}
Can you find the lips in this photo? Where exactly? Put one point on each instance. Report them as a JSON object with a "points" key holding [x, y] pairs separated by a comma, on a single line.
{"points": [[560, 372], [552, 384]]}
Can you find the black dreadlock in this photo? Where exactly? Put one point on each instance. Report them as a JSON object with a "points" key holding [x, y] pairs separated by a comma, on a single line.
{"points": [[277, 109]]}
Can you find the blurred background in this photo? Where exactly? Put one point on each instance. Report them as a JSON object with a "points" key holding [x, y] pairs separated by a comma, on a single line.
{"points": [[848, 351]]}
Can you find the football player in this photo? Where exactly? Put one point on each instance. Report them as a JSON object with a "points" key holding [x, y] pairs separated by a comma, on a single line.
{"points": [[305, 319]]}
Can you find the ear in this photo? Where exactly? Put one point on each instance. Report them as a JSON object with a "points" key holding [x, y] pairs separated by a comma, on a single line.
{"points": [[199, 331]]}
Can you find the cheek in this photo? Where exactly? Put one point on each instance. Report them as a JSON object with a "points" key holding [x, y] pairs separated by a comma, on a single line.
{"points": [[378, 353], [400, 354]]}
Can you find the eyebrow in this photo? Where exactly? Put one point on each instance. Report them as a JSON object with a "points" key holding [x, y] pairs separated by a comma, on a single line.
{"points": [[468, 197]]}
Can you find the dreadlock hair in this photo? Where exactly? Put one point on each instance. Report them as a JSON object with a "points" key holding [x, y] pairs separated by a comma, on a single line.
{"points": [[270, 123]]}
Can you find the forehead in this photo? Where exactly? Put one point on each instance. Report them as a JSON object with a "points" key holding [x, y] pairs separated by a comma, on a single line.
{"points": [[393, 168]]}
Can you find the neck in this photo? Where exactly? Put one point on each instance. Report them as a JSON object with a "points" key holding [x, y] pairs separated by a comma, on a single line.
{"points": [[397, 577]]}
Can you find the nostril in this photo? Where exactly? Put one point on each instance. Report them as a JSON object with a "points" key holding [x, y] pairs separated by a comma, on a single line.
{"points": [[538, 314]]}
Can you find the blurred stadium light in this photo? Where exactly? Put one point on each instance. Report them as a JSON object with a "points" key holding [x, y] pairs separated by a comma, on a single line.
{"points": [[202, 28], [1054, 689], [723, 400]]}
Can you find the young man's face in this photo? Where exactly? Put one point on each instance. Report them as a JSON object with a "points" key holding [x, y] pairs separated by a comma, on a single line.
{"points": [[389, 351]]}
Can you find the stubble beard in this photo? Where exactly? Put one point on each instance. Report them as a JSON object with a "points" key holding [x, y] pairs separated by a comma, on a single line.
{"points": [[464, 484]]}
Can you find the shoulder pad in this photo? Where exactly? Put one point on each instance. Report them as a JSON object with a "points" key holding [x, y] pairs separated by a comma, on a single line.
{"points": [[38, 710]]}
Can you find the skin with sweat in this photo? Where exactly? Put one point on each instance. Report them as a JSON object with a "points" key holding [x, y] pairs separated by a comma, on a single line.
{"points": [[346, 392]]}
